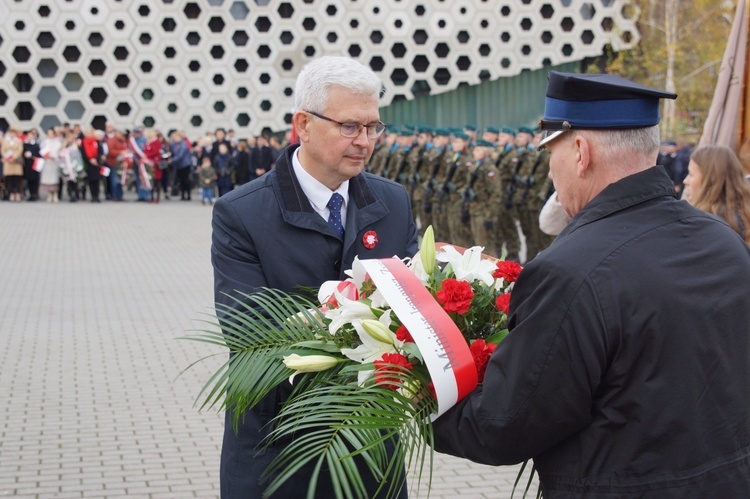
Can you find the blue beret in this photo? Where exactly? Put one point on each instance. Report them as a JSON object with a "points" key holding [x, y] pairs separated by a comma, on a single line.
{"points": [[483, 143], [492, 129], [598, 101], [508, 130], [461, 136], [441, 132], [470, 127], [424, 129]]}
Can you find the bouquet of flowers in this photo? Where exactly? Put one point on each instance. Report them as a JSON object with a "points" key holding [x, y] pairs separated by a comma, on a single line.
{"points": [[371, 363]]}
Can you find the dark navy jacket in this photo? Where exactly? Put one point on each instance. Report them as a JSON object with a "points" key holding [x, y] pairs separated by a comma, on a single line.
{"points": [[267, 234], [627, 369]]}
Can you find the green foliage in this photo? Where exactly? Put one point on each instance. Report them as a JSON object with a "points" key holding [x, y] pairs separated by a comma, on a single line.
{"points": [[250, 330], [702, 29], [330, 421]]}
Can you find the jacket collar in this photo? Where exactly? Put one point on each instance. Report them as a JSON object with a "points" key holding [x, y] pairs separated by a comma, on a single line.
{"points": [[364, 207], [625, 193]]}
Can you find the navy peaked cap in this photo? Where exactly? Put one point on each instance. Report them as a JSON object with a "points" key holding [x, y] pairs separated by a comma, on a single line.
{"points": [[598, 101]]}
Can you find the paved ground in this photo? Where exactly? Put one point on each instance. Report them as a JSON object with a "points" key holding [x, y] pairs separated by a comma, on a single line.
{"points": [[93, 399]]}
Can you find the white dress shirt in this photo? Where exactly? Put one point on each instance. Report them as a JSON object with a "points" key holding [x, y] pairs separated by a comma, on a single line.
{"points": [[317, 193]]}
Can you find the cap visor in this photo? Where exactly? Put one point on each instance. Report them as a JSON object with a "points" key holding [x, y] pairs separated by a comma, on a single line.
{"points": [[549, 136]]}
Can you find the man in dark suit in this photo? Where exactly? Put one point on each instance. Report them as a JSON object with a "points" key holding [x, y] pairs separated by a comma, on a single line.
{"points": [[280, 231]]}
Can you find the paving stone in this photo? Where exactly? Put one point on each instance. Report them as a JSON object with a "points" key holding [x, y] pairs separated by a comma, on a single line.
{"points": [[95, 399]]}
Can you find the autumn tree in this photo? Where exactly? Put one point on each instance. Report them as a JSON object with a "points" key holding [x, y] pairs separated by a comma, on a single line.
{"points": [[680, 50]]}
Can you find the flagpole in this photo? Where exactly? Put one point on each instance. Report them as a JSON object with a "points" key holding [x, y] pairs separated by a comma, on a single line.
{"points": [[743, 125], [727, 116]]}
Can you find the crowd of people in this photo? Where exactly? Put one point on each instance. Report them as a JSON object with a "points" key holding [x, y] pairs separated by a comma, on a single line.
{"points": [[475, 187], [75, 164]]}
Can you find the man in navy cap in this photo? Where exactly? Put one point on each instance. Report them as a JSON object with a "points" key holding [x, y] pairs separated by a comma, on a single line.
{"points": [[626, 372]]}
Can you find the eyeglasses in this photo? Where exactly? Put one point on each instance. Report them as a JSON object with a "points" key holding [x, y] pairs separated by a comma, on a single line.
{"points": [[352, 130]]}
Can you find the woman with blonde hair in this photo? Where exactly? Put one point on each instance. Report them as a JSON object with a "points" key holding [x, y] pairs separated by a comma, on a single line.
{"points": [[716, 184]]}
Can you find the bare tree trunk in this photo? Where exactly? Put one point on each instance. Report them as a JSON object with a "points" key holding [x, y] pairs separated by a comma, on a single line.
{"points": [[671, 12]]}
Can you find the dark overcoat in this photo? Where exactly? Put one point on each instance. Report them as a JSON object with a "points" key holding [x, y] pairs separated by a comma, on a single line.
{"points": [[627, 369], [267, 234]]}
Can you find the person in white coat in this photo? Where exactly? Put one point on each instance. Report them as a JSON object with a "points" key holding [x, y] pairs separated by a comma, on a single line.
{"points": [[50, 178]]}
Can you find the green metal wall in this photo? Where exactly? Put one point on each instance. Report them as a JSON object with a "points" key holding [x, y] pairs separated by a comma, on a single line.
{"points": [[515, 101]]}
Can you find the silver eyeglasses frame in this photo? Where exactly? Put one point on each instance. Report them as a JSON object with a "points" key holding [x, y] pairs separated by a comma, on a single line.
{"points": [[352, 130]]}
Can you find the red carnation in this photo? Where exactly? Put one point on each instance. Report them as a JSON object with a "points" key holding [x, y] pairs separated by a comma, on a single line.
{"points": [[503, 302], [403, 334], [385, 369], [507, 270], [455, 296], [481, 352]]}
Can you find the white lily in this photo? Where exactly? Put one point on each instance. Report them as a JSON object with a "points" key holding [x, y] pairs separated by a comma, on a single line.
{"points": [[470, 266], [371, 348], [417, 268], [304, 318], [308, 363], [427, 251], [378, 331], [347, 312]]}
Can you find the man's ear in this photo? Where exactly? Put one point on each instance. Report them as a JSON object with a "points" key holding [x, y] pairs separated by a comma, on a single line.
{"points": [[300, 121], [583, 156]]}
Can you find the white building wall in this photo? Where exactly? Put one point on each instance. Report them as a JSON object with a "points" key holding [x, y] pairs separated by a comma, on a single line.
{"points": [[196, 65]]}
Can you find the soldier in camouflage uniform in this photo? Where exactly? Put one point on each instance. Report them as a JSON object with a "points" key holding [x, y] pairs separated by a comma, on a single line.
{"points": [[471, 131], [528, 199], [416, 166], [396, 166], [505, 224], [540, 189], [520, 164], [456, 180], [481, 195], [434, 169], [491, 135], [446, 171], [379, 158]]}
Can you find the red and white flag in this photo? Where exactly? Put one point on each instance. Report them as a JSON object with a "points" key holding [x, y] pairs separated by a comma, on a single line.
{"points": [[38, 164], [104, 171]]}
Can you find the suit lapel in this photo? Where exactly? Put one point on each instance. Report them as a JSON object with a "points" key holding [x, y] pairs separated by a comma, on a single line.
{"points": [[364, 207]]}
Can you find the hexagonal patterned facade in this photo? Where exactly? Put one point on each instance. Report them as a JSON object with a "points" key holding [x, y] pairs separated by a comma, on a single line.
{"points": [[200, 64]]}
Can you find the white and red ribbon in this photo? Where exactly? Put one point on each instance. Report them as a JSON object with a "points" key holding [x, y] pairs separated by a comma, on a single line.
{"points": [[445, 351], [38, 164], [145, 178]]}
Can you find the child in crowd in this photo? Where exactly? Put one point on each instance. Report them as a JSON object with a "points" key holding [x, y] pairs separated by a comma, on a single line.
{"points": [[223, 166], [207, 180]]}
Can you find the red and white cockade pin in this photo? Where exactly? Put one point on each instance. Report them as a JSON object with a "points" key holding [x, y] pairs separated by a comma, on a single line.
{"points": [[370, 239]]}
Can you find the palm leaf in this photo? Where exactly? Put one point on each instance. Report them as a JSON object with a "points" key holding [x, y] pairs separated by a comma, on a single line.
{"points": [[329, 424], [334, 424], [258, 329]]}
